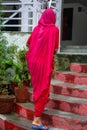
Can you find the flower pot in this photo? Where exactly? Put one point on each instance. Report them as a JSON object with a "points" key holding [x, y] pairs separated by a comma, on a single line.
{"points": [[6, 104], [21, 94]]}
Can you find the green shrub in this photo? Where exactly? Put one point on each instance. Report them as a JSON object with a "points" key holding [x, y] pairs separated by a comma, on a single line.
{"points": [[62, 62]]}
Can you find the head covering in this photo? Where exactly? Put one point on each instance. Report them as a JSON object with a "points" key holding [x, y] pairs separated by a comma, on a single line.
{"points": [[47, 17]]}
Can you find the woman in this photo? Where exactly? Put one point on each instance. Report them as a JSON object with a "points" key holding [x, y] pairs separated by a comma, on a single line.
{"points": [[43, 42]]}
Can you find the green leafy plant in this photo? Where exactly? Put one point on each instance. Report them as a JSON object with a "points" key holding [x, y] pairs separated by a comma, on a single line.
{"points": [[21, 73], [7, 70], [22, 60], [62, 62], [17, 78]]}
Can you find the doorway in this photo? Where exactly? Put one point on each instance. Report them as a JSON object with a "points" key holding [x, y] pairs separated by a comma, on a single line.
{"points": [[67, 24]]}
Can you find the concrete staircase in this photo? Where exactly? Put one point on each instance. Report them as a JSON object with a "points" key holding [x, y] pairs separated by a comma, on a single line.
{"points": [[67, 106]]}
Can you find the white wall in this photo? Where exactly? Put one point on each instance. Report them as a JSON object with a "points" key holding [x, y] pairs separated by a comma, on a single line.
{"points": [[17, 38]]}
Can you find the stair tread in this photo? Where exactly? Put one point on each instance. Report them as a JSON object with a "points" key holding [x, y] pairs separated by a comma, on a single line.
{"points": [[58, 113], [73, 51], [68, 98], [16, 119], [72, 73], [70, 85], [85, 64], [20, 121]]}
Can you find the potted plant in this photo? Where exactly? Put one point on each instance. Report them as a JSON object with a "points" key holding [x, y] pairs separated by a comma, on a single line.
{"points": [[24, 70], [21, 75], [7, 99], [21, 92]]}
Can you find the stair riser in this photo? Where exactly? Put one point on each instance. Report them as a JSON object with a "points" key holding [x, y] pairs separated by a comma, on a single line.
{"points": [[82, 80], [68, 106], [75, 67], [67, 124], [59, 122], [74, 92], [2, 124], [9, 126], [71, 78], [27, 113]]}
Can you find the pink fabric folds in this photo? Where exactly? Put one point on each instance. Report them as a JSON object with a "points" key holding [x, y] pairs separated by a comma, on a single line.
{"points": [[43, 41]]}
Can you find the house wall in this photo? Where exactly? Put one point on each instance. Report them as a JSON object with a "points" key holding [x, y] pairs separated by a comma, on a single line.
{"points": [[17, 38], [79, 27], [79, 32]]}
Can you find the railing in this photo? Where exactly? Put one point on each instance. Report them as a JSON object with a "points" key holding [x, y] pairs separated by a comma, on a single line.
{"points": [[23, 16], [20, 18]]}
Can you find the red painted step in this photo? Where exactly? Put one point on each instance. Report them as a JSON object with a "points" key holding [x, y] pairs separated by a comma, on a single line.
{"points": [[56, 118], [68, 89], [78, 67], [14, 121], [72, 104], [71, 77], [68, 104]]}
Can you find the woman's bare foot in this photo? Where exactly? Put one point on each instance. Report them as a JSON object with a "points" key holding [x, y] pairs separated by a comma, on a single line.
{"points": [[38, 122]]}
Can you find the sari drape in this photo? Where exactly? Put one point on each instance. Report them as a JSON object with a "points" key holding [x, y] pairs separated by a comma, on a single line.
{"points": [[40, 55]]}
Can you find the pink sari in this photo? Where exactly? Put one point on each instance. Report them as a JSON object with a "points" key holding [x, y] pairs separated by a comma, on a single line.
{"points": [[43, 41]]}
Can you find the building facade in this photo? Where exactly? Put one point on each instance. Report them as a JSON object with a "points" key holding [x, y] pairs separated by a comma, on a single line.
{"points": [[22, 16]]}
